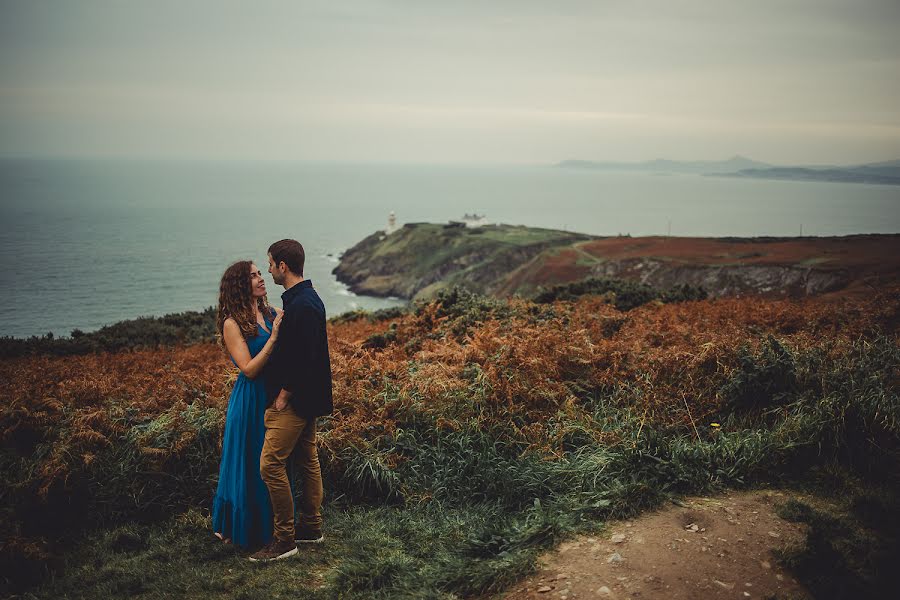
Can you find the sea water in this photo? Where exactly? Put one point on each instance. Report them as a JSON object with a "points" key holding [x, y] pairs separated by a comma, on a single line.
{"points": [[88, 243]]}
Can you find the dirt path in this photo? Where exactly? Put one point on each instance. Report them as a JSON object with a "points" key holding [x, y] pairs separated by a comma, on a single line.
{"points": [[708, 548]]}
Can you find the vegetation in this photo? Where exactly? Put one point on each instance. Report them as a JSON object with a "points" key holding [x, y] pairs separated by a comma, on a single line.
{"points": [[853, 539], [375, 316], [625, 294], [475, 433], [420, 259], [189, 327], [145, 332]]}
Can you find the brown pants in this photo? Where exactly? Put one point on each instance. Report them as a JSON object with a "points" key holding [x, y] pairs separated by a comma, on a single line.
{"points": [[284, 431]]}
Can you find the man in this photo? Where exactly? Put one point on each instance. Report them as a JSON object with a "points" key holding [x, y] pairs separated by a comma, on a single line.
{"points": [[298, 386]]}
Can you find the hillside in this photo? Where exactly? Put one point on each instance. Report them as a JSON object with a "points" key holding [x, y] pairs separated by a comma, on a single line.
{"points": [[790, 267], [420, 259], [469, 436]]}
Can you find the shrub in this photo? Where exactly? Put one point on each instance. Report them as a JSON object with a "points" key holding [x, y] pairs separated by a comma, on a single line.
{"points": [[625, 294], [145, 332], [764, 378]]}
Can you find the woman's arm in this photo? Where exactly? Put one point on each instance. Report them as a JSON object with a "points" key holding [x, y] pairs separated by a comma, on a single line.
{"points": [[237, 348]]}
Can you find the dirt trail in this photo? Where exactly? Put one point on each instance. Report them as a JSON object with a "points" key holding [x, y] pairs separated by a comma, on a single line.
{"points": [[708, 548]]}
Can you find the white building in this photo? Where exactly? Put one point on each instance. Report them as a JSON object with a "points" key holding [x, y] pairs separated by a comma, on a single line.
{"points": [[474, 220], [392, 224]]}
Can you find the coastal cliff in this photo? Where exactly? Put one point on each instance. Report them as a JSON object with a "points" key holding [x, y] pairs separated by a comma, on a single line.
{"points": [[420, 259]]}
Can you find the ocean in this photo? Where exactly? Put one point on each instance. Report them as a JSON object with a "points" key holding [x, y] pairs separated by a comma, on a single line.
{"points": [[86, 243]]}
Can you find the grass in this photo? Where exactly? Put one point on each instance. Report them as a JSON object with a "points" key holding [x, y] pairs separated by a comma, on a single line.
{"points": [[473, 520], [521, 236], [816, 260], [853, 538], [371, 552], [474, 434]]}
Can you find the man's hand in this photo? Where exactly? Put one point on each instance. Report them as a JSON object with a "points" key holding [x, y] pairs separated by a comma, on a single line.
{"points": [[281, 401]]}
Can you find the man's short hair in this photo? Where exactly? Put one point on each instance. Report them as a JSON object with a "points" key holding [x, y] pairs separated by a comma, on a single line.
{"points": [[291, 253]]}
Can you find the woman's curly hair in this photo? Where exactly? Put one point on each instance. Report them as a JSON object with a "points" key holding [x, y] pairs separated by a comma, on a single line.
{"points": [[236, 301]]}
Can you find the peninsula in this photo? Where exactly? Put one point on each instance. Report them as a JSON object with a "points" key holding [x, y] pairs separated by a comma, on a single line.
{"points": [[419, 259], [880, 173]]}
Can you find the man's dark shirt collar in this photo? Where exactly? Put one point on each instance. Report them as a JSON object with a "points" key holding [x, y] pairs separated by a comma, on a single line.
{"points": [[288, 295]]}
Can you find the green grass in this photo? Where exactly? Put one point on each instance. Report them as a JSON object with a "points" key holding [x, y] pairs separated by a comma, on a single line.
{"points": [[818, 260], [522, 236], [179, 557], [463, 515], [853, 539], [399, 240]]}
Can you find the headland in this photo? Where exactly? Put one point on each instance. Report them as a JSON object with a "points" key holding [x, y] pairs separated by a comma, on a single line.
{"points": [[418, 260]]}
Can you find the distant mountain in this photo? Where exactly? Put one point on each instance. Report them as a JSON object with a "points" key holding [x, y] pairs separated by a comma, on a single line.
{"points": [[890, 164], [887, 172], [661, 165], [889, 168], [883, 175]]}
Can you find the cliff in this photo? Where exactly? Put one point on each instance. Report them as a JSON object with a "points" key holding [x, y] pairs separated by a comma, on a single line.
{"points": [[420, 259]]}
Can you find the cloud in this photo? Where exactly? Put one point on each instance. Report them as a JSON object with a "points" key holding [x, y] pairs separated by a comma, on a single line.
{"points": [[507, 82]]}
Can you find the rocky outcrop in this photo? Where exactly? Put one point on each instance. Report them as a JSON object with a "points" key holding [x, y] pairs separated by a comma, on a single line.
{"points": [[726, 280], [420, 259]]}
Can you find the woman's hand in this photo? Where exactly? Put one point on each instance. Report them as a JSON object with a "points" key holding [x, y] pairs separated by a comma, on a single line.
{"points": [[276, 325]]}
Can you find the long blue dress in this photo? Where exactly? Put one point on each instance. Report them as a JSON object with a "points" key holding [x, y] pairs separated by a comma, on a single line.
{"points": [[241, 507]]}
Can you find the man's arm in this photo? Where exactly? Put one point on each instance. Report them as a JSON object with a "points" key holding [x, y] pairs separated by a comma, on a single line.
{"points": [[294, 354], [286, 352]]}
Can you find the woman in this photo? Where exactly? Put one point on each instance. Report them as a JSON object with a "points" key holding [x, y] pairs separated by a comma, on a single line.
{"points": [[248, 328]]}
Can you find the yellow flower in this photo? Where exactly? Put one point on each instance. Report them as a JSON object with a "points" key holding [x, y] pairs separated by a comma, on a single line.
{"points": [[714, 425]]}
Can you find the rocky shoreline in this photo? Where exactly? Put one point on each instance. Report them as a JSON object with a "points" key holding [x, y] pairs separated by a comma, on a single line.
{"points": [[420, 259]]}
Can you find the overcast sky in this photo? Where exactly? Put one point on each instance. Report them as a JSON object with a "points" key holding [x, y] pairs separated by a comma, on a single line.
{"points": [[784, 81]]}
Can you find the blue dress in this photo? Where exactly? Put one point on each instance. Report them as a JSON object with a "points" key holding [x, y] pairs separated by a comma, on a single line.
{"points": [[241, 508]]}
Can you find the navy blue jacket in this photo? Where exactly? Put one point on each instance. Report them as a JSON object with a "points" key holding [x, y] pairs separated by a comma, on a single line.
{"points": [[300, 363]]}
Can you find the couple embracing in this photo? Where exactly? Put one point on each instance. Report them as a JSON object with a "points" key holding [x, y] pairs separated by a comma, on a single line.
{"points": [[284, 384]]}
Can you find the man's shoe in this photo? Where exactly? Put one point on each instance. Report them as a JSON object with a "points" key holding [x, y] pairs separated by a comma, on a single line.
{"points": [[305, 535], [275, 550]]}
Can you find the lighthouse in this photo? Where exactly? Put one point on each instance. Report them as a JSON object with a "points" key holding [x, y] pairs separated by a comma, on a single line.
{"points": [[392, 223]]}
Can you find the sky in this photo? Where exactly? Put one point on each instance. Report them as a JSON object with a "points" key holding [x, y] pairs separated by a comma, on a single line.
{"points": [[471, 82]]}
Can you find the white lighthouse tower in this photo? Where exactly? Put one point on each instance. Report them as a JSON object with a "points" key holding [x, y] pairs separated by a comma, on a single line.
{"points": [[392, 223]]}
